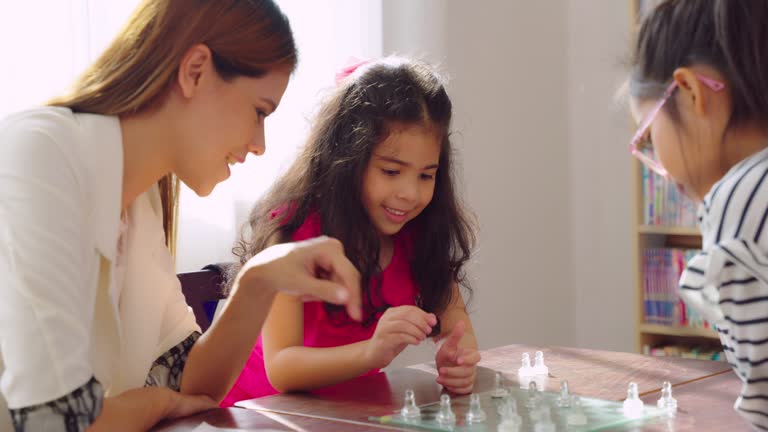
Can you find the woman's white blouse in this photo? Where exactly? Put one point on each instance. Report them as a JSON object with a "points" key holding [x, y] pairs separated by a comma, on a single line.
{"points": [[66, 312]]}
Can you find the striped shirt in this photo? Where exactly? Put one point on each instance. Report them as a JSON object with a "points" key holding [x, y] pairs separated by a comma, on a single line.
{"points": [[728, 281]]}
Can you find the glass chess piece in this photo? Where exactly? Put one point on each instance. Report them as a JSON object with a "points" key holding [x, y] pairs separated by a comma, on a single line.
{"points": [[445, 416], [499, 391], [543, 422], [526, 370], [410, 411], [539, 368], [475, 413], [534, 396], [666, 401], [633, 406], [510, 420], [507, 399], [564, 400], [576, 416]]}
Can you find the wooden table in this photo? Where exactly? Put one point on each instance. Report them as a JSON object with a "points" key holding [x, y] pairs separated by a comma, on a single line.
{"points": [[705, 405], [705, 391]]}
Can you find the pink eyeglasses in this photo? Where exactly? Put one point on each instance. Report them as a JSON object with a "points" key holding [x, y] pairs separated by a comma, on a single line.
{"points": [[651, 161]]}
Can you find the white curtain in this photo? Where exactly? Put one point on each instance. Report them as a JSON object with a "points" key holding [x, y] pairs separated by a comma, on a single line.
{"points": [[46, 44]]}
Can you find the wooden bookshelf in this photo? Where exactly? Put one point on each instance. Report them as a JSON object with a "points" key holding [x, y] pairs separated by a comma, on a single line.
{"points": [[658, 329], [658, 236], [668, 230]]}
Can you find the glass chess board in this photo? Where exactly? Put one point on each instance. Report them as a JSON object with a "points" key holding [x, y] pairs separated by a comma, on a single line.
{"points": [[600, 415]]}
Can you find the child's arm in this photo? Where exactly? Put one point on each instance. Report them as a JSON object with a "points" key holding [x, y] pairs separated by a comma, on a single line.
{"points": [[291, 366], [457, 358]]}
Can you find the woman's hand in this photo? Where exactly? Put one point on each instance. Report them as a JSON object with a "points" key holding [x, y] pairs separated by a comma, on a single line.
{"points": [[314, 269], [142, 408]]}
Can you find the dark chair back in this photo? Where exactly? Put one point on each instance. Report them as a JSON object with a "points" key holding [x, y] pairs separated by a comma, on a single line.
{"points": [[203, 289]]}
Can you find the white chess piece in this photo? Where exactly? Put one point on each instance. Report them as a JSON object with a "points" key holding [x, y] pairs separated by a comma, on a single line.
{"points": [[526, 370], [633, 405], [539, 368]]}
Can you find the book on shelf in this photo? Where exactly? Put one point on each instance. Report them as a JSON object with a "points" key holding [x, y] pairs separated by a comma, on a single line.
{"points": [[665, 204], [662, 304], [706, 352]]}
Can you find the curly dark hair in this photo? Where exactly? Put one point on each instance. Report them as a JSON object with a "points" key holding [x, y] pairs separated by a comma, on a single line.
{"points": [[327, 178]]}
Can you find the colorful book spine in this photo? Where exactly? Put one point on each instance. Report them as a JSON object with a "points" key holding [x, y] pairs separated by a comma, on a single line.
{"points": [[662, 304], [664, 204]]}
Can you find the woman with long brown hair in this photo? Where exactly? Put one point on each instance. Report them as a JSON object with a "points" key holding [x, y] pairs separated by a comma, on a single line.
{"points": [[94, 329]]}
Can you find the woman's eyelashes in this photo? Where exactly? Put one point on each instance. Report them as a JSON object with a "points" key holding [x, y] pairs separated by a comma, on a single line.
{"points": [[260, 115], [393, 173]]}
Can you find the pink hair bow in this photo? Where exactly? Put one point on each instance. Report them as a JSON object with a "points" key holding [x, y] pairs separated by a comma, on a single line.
{"points": [[352, 64]]}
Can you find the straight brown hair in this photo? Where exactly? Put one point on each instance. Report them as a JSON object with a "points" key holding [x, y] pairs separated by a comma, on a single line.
{"points": [[135, 73]]}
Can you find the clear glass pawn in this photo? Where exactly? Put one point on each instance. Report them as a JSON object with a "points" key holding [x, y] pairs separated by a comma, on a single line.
{"points": [[505, 426], [410, 411], [666, 401], [475, 413], [539, 368], [445, 416], [534, 396], [508, 408], [526, 370], [499, 391], [576, 416], [633, 405], [564, 400], [507, 400], [510, 419], [544, 421]]}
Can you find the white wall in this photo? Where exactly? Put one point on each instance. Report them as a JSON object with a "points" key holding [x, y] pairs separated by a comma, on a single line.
{"points": [[545, 162], [600, 190], [508, 64]]}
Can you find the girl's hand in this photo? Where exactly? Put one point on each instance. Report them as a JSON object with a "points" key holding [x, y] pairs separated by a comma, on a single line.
{"points": [[397, 328], [315, 269], [457, 366]]}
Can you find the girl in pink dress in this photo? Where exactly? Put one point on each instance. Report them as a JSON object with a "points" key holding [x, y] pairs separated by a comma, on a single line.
{"points": [[377, 175]]}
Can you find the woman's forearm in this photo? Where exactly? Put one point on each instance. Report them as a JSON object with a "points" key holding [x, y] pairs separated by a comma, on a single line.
{"points": [[217, 358]]}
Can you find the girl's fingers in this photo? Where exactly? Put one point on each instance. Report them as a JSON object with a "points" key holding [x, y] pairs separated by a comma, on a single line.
{"points": [[406, 327], [457, 371], [415, 316], [468, 357], [451, 382], [461, 390]]}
